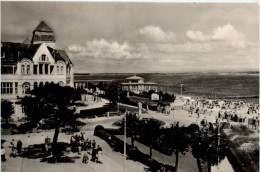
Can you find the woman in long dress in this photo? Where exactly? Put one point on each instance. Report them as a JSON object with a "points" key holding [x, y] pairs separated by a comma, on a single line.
{"points": [[99, 155]]}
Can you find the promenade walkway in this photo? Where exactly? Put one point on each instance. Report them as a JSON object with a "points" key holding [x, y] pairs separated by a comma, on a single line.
{"points": [[113, 161]]}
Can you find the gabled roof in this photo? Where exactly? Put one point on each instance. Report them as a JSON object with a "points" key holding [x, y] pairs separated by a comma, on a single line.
{"points": [[134, 78], [15, 52], [60, 55], [43, 27]]}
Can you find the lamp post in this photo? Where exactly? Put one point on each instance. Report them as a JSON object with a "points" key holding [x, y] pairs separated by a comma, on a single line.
{"points": [[218, 141], [181, 89], [118, 101], [125, 140]]}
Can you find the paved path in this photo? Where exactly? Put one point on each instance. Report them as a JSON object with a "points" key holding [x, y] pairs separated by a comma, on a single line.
{"points": [[113, 161], [187, 163]]}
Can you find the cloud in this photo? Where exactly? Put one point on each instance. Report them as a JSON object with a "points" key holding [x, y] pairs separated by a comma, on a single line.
{"points": [[226, 33], [197, 36], [76, 48], [230, 34], [187, 47], [155, 33], [103, 49]]}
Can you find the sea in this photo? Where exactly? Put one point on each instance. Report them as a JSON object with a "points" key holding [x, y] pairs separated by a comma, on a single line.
{"points": [[240, 86]]}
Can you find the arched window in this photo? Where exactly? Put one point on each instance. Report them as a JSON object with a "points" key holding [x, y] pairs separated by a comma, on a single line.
{"points": [[41, 84], [35, 85], [44, 58], [28, 69], [61, 83], [26, 87], [23, 69], [61, 70]]}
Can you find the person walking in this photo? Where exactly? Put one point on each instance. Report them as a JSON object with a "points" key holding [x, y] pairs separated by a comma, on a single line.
{"points": [[94, 154], [19, 146], [3, 154], [99, 155], [85, 157], [13, 149], [93, 144]]}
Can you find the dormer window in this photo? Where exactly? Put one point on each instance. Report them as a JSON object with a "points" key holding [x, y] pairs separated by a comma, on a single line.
{"points": [[44, 58]]}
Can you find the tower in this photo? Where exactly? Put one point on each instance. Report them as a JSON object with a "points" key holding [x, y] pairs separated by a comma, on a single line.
{"points": [[43, 34]]}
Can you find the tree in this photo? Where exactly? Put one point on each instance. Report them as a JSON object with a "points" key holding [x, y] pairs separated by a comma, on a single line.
{"points": [[209, 147], [167, 97], [112, 91], [193, 131], [132, 126], [53, 103], [175, 140], [7, 110], [150, 131]]}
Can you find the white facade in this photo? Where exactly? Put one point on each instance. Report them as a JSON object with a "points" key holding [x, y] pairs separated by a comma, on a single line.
{"points": [[40, 70], [137, 85], [27, 66]]}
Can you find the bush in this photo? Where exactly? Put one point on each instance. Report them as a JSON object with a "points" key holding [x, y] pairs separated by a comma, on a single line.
{"points": [[168, 98], [241, 130], [25, 127], [70, 130]]}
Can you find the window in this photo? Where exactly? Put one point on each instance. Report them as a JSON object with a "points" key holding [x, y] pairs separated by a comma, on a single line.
{"points": [[46, 68], [23, 70], [3, 54], [28, 69], [16, 88], [7, 88], [26, 87], [44, 58], [35, 85], [40, 68], [51, 69], [35, 67], [61, 70]]}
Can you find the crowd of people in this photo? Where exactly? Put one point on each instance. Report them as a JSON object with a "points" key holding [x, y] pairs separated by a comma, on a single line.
{"points": [[227, 110], [79, 144], [87, 148]]}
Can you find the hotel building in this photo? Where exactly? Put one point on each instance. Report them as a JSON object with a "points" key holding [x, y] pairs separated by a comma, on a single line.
{"points": [[27, 65]]}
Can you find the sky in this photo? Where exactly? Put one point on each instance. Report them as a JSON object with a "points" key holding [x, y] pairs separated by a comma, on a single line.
{"points": [[141, 37]]}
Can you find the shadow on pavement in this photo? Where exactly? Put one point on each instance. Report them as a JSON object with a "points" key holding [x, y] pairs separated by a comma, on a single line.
{"points": [[37, 151]]}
